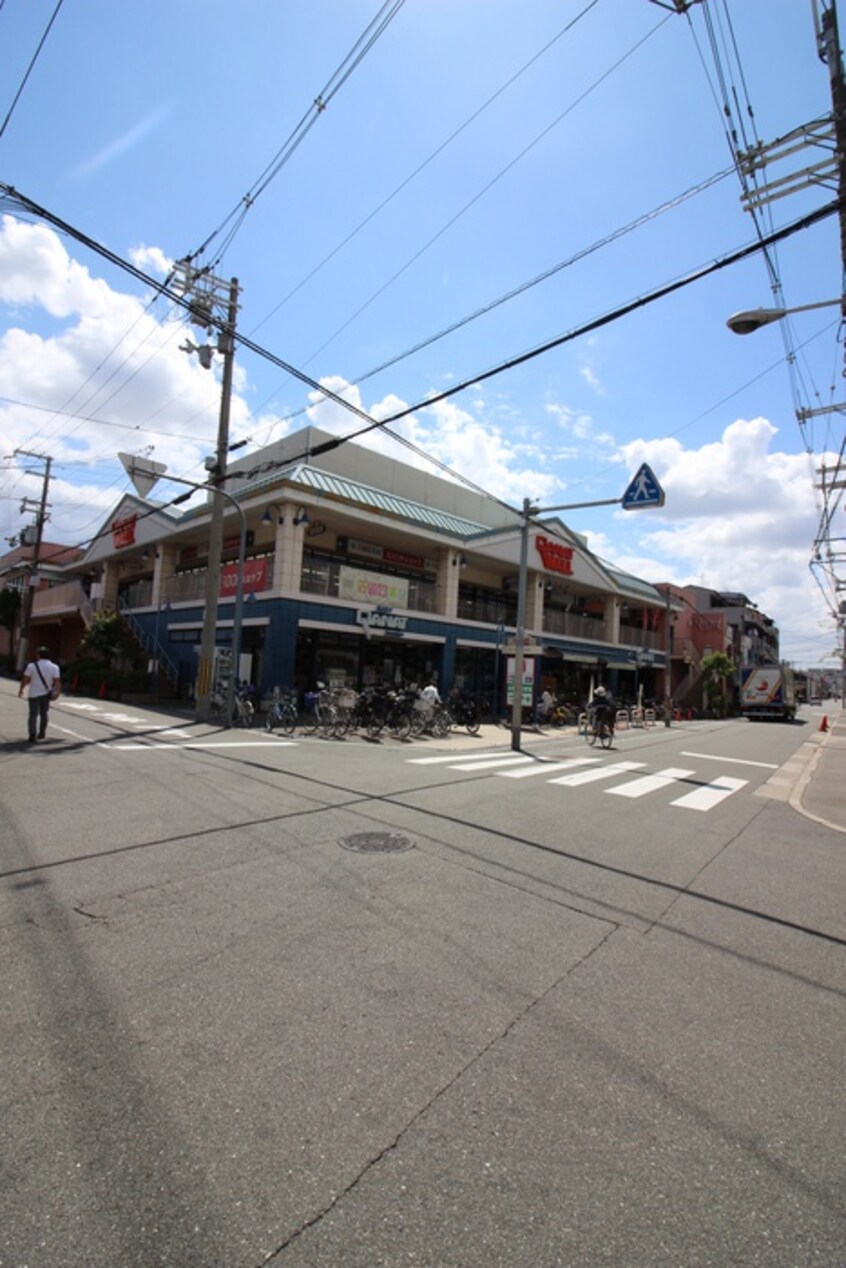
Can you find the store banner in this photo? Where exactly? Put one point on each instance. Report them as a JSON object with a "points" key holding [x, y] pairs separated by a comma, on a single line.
{"points": [[255, 577], [358, 586]]}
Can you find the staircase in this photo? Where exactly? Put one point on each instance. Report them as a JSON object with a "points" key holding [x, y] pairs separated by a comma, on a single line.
{"points": [[152, 648]]}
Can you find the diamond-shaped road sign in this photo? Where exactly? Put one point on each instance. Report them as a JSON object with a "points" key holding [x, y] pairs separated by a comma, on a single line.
{"points": [[643, 491]]}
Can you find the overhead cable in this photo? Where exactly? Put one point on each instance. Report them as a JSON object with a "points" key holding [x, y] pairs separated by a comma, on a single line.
{"points": [[336, 81]]}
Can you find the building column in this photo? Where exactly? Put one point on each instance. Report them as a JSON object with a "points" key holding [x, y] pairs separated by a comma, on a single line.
{"points": [[288, 551], [446, 582], [535, 582], [612, 619], [164, 569], [106, 592]]}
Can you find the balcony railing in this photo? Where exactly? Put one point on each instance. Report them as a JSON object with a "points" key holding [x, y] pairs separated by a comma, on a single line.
{"points": [[67, 597], [573, 625]]}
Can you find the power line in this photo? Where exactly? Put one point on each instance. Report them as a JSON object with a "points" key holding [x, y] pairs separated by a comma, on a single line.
{"points": [[336, 81], [30, 68]]}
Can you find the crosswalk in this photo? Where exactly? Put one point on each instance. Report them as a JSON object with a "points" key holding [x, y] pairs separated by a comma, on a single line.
{"points": [[575, 772]]}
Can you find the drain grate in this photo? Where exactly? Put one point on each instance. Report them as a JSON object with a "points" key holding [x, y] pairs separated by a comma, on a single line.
{"points": [[377, 843]]}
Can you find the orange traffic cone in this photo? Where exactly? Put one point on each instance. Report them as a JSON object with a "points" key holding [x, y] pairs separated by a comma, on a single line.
{"points": [[824, 723]]}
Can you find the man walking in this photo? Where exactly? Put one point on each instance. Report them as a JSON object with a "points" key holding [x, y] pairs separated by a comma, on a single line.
{"points": [[42, 680]]}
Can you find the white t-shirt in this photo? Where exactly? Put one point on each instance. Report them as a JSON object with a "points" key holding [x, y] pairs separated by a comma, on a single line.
{"points": [[36, 686]]}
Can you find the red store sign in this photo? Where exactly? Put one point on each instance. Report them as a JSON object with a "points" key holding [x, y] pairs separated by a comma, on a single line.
{"points": [[255, 577], [123, 532], [555, 557]]}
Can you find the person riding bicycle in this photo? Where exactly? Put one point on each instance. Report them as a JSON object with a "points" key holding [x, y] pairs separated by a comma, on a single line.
{"points": [[601, 708]]}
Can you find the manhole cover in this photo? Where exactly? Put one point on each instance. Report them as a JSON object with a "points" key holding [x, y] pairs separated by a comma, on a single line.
{"points": [[377, 843]]}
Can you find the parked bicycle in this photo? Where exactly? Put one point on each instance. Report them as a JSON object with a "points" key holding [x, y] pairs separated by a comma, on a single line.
{"points": [[282, 712], [243, 710], [464, 710]]}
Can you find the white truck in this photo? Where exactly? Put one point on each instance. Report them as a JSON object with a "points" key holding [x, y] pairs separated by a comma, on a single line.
{"points": [[767, 691]]}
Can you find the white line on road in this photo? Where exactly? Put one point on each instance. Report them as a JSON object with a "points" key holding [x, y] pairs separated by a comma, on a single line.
{"points": [[449, 757], [650, 783], [715, 792], [589, 776], [547, 768], [734, 761], [137, 746], [491, 762]]}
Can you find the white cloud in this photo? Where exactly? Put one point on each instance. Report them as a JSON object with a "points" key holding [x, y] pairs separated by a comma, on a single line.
{"points": [[471, 446], [87, 371], [740, 515]]}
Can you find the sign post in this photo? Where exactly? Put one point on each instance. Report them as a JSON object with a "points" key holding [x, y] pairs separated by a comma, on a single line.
{"points": [[643, 491]]}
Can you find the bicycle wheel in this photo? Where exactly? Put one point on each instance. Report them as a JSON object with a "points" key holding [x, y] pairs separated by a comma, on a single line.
{"points": [[272, 717], [591, 735], [328, 719], [441, 723], [310, 722], [287, 719], [401, 727], [606, 735], [473, 723], [343, 721]]}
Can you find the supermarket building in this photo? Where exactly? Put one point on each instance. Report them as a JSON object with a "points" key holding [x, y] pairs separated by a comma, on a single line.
{"points": [[360, 568]]}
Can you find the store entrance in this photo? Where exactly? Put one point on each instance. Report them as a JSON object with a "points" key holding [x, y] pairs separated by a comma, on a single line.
{"points": [[350, 660]]}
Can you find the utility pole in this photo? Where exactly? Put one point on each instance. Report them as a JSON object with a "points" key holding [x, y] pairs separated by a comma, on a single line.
{"points": [[40, 517], [207, 293], [829, 45]]}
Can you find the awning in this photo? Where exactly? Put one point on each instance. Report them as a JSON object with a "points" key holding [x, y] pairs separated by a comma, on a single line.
{"points": [[579, 658]]}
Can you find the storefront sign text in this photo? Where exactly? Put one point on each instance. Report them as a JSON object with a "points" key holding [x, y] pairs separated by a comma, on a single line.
{"points": [[123, 531], [255, 577], [372, 587], [555, 557], [381, 554], [376, 620]]}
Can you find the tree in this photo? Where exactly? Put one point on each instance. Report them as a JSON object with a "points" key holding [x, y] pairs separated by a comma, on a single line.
{"points": [[10, 604], [716, 669], [107, 636]]}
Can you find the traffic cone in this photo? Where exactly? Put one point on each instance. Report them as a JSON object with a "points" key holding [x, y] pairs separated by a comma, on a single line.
{"points": [[102, 692], [824, 723]]}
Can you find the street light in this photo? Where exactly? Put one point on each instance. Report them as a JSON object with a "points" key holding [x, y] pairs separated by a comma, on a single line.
{"points": [[144, 475], [752, 319]]}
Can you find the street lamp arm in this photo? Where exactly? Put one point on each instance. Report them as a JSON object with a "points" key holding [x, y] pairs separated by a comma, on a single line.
{"points": [[751, 319]]}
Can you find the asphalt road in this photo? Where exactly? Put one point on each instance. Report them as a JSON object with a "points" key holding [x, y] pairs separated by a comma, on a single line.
{"points": [[559, 1007]]}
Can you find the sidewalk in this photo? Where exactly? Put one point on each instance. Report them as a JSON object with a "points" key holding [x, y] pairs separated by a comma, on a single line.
{"points": [[820, 793]]}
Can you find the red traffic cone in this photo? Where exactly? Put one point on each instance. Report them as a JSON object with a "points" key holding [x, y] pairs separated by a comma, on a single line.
{"points": [[824, 723]]}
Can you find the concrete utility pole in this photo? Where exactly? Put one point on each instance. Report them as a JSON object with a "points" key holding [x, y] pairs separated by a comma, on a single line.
{"points": [[833, 58], [40, 517], [207, 293]]}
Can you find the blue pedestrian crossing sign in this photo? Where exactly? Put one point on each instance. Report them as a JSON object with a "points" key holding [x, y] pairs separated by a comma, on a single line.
{"points": [[644, 490]]}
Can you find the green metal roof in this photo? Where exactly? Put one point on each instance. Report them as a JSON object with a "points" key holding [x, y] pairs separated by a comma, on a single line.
{"points": [[322, 482], [634, 585]]}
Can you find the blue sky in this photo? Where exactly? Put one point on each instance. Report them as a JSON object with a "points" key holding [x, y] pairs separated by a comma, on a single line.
{"points": [[476, 146]]}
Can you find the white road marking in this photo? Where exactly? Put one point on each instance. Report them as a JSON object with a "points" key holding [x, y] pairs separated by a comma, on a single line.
{"points": [[137, 746], [443, 758], [491, 762], [650, 783], [711, 795], [590, 776], [732, 761], [547, 768]]}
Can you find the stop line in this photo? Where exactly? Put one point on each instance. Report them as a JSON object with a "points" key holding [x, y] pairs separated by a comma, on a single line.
{"points": [[564, 773]]}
